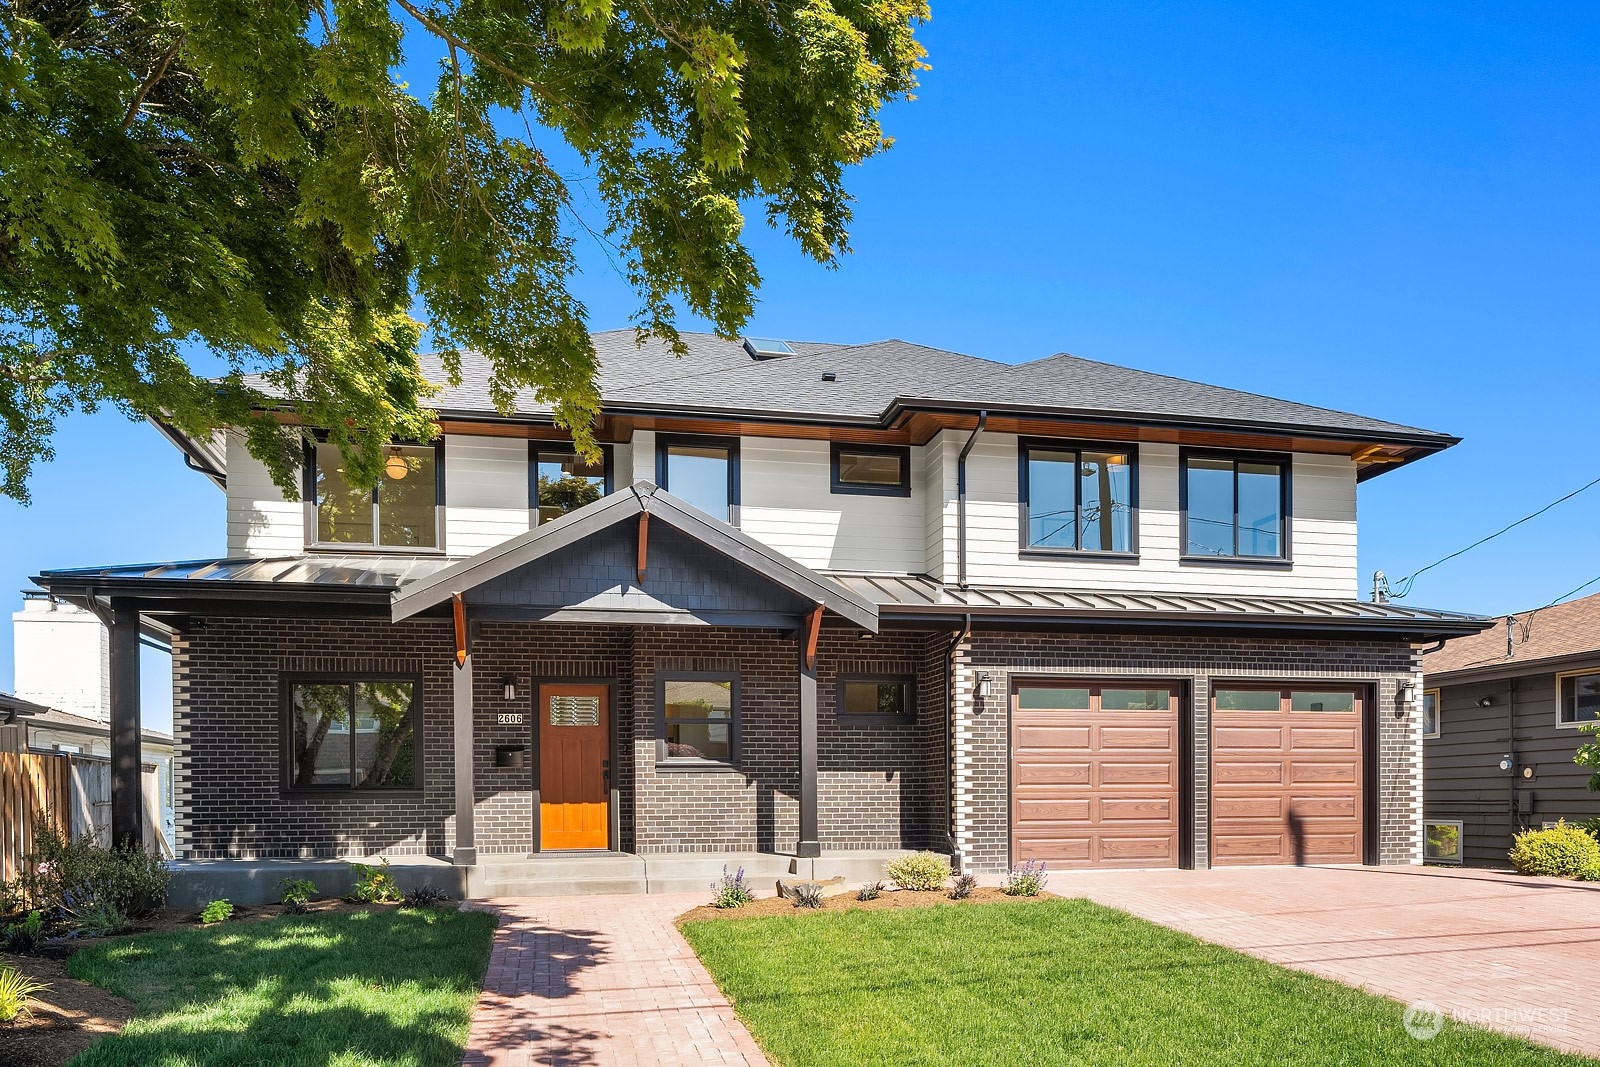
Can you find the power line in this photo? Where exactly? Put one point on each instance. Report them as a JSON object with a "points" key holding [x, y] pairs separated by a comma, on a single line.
{"points": [[1526, 622], [1405, 583]]}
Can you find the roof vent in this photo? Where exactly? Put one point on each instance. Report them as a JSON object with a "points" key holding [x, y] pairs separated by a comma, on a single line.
{"points": [[766, 348]]}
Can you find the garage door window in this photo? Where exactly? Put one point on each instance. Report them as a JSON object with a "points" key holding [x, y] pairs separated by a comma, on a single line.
{"points": [[1307, 701], [1092, 698]]}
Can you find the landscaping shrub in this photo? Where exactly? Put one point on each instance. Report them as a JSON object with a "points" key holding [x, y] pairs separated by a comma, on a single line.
{"points": [[215, 912], [1562, 851], [374, 885], [15, 989], [102, 919], [426, 896], [807, 895], [870, 891], [79, 877], [963, 888], [919, 871], [24, 937], [1590, 827], [731, 890], [296, 893], [1026, 879]]}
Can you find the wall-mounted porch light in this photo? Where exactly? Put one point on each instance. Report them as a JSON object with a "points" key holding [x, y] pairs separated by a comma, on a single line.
{"points": [[510, 684], [982, 690]]}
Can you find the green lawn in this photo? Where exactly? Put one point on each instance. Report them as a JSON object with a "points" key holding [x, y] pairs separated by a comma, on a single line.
{"points": [[385, 987], [1049, 982]]}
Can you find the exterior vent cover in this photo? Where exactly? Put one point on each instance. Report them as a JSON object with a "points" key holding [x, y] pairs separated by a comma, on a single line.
{"points": [[766, 348]]}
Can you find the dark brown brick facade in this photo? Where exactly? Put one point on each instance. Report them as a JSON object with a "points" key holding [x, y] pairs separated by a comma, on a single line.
{"points": [[880, 786]]}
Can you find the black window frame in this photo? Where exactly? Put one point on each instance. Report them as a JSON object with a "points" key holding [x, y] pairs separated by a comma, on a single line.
{"points": [[1028, 548], [286, 686], [560, 448], [839, 486], [907, 717], [1285, 463], [313, 529], [664, 443], [735, 714]]}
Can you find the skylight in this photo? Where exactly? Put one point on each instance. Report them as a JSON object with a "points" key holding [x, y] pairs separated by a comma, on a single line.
{"points": [[767, 348]]}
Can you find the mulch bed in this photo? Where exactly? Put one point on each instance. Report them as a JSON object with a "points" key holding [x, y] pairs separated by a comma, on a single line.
{"points": [[889, 898], [72, 1015]]}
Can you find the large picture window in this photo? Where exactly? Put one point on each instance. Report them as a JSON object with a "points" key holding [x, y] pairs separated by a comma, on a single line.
{"points": [[1235, 507], [400, 512], [703, 471], [563, 481], [358, 733], [698, 719], [1580, 697], [1077, 499]]}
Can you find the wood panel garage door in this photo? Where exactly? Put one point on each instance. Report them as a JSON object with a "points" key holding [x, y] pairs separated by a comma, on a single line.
{"points": [[1094, 776], [1286, 776]]}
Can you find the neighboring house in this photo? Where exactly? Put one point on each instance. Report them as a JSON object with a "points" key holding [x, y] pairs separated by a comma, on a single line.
{"points": [[811, 599], [29, 727], [1502, 711], [62, 660]]}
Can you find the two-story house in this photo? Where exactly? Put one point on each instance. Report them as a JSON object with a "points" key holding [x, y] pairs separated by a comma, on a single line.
{"points": [[814, 600]]}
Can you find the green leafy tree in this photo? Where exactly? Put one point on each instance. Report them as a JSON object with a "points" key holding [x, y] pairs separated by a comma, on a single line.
{"points": [[1588, 754], [251, 178]]}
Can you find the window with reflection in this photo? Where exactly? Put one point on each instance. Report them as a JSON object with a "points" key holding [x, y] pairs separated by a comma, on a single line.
{"points": [[357, 734], [1580, 698], [1430, 713], [1110, 698], [1077, 499], [882, 470], [1234, 507], [698, 719], [1292, 700], [401, 511], [701, 471], [865, 700], [563, 482]]}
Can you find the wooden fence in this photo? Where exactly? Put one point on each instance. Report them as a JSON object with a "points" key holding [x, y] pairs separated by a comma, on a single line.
{"points": [[31, 784]]}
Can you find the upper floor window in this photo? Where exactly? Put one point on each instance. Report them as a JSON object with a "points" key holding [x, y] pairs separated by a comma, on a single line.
{"points": [[1235, 507], [703, 471], [874, 470], [563, 481], [401, 511], [1580, 697], [1077, 499], [345, 733]]}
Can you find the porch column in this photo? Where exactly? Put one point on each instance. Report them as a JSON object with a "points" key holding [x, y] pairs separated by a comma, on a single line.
{"points": [[127, 762], [809, 845], [466, 852]]}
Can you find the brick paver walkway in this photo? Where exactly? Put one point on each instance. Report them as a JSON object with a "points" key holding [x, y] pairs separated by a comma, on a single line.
{"points": [[601, 982], [1518, 955]]}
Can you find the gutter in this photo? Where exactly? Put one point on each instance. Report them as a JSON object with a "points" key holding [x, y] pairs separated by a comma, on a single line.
{"points": [[961, 500]]}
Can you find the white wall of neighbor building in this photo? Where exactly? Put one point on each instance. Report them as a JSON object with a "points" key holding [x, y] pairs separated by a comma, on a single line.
{"points": [[62, 658], [787, 503]]}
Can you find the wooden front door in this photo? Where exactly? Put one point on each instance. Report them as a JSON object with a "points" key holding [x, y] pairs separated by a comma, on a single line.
{"points": [[574, 766]]}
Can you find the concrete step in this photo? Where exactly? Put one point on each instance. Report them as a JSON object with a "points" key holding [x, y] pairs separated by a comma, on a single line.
{"points": [[559, 874], [548, 887]]}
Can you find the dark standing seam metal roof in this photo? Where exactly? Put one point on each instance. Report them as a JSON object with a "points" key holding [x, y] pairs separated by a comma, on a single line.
{"points": [[904, 596], [718, 377]]}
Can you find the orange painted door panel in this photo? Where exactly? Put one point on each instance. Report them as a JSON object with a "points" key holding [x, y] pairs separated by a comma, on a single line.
{"points": [[574, 756]]}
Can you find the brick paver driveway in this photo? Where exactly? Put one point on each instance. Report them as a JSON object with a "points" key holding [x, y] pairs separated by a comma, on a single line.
{"points": [[1515, 954], [601, 982]]}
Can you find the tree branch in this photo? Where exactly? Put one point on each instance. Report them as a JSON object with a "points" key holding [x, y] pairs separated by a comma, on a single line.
{"points": [[156, 74], [438, 29]]}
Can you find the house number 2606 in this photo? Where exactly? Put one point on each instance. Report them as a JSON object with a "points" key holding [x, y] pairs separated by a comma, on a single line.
{"points": [[511, 718]]}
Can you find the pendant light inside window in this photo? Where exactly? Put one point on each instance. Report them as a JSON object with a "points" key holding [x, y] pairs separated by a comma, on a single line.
{"points": [[396, 467]]}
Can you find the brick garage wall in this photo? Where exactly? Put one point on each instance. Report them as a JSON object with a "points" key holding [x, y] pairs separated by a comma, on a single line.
{"points": [[982, 749], [878, 786]]}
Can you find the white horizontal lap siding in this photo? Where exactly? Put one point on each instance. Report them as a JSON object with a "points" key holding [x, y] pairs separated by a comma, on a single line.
{"points": [[939, 488], [485, 492], [260, 521], [787, 503], [642, 456], [1324, 540]]}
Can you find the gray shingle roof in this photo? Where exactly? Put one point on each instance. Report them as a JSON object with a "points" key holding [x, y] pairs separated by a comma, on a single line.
{"points": [[718, 377]]}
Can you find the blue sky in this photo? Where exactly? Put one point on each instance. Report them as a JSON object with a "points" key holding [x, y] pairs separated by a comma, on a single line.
{"points": [[1382, 209]]}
